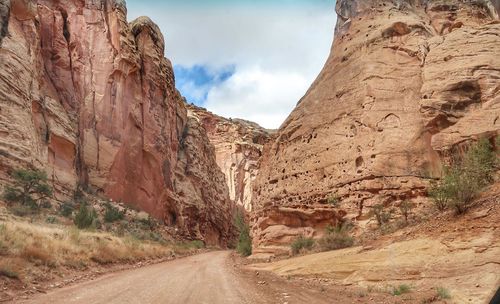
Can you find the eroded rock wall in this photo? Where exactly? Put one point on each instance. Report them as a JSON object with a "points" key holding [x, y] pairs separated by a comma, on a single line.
{"points": [[238, 149], [90, 98], [405, 82]]}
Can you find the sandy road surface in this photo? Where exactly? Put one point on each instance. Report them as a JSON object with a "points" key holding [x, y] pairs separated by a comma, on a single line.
{"points": [[208, 278]]}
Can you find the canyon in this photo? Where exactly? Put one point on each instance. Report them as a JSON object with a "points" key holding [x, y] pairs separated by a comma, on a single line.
{"points": [[90, 99]]}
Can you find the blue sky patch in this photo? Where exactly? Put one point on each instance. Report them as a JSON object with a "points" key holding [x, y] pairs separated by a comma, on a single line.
{"points": [[195, 82]]}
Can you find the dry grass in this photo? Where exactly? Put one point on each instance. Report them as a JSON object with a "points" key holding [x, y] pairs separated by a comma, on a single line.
{"points": [[23, 244]]}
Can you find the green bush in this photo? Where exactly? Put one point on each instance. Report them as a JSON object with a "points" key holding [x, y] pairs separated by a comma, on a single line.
{"points": [[51, 220], [112, 214], [9, 273], [66, 209], [147, 223], [301, 243], [335, 238], [401, 289], [381, 216], [244, 245], [465, 178], [21, 210], [85, 217], [333, 200], [440, 194], [29, 188], [443, 293], [405, 208]]}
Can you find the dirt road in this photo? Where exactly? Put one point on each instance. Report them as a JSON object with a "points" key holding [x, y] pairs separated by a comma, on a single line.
{"points": [[209, 278]]}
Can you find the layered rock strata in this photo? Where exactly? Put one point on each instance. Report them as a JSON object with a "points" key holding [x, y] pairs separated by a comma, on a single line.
{"points": [[406, 83], [91, 99], [238, 149]]}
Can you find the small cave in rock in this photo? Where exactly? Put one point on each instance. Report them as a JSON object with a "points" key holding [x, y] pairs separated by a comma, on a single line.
{"points": [[359, 162], [172, 218], [66, 32]]}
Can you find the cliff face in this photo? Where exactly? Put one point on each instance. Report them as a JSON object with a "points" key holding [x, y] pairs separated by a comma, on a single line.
{"points": [[238, 149], [405, 83], [91, 99]]}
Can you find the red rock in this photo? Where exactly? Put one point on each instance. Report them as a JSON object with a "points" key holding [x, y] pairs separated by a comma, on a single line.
{"points": [[91, 99]]}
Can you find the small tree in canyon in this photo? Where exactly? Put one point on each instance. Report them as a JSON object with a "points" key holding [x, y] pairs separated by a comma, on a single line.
{"points": [[30, 188], [244, 245], [465, 177], [405, 208]]}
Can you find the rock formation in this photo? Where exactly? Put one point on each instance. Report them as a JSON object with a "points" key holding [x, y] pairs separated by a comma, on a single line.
{"points": [[238, 148], [406, 82], [91, 99]]}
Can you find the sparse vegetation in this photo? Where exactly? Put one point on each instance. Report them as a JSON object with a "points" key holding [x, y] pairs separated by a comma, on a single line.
{"points": [[381, 216], [37, 244], [112, 214], [244, 245], [335, 238], [85, 217], [443, 293], [405, 208], [30, 188], [401, 289], [66, 209], [301, 243], [333, 200], [7, 271], [465, 178]]}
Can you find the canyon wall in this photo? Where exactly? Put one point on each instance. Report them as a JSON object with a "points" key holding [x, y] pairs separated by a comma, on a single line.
{"points": [[238, 149], [405, 83], [91, 99]]}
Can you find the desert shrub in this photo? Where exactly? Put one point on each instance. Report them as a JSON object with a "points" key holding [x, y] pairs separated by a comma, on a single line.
{"points": [[38, 254], [336, 237], [197, 244], [51, 220], [244, 245], [381, 216], [465, 178], [405, 208], [7, 271], [21, 210], [85, 217], [333, 200], [440, 194], [335, 240], [112, 214], [66, 209], [401, 289], [148, 222], [443, 293], [29, 188], [301, 243]]}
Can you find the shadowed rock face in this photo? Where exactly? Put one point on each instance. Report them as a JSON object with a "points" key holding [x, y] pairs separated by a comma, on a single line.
{"points": [[91, 99], [406, 82], [238, 149]]}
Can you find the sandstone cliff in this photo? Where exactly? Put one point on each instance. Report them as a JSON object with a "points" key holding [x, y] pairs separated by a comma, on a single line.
{"points": [[406, 82], [91, 99], [238, 149]]}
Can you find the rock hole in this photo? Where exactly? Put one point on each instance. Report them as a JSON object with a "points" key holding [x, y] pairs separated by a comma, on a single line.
{"points": [[359, 162], [172, 218]]}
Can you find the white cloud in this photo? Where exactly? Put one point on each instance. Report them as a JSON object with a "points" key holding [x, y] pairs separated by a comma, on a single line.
{"points": [[277, 52], [261, 96]]}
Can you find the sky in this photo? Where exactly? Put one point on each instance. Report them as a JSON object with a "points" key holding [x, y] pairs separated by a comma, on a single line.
{"points": [[250, 59]]}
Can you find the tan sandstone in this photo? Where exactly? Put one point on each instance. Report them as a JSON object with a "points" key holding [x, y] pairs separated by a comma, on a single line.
{"points": [[406, 83], [238, 149]]}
